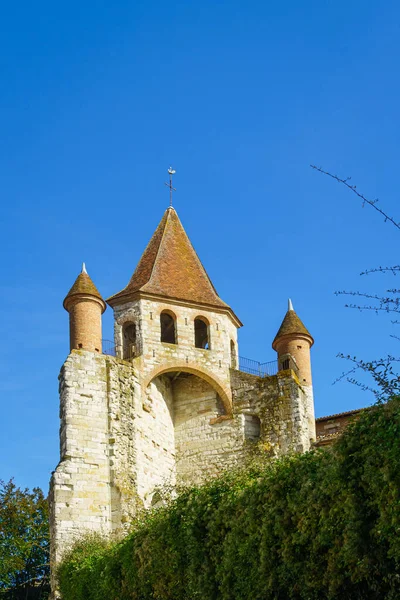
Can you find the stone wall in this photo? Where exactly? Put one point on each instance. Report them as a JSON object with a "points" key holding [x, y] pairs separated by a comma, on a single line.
{"points": [[156, 439], [309, 394], [129, 428], [80, 483], [93, 484], [79, 489], [280, 404], [124, 407], [204, 447]]}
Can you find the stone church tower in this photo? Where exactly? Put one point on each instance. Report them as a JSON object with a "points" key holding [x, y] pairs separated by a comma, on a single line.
{"points": [[169, 402]]}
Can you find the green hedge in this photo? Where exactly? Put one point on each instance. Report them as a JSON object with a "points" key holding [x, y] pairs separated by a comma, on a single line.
{"points": [[318, 526]]}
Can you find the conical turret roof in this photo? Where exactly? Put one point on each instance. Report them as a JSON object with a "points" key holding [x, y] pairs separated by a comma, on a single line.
{"points": [[292, 325], [170, 267], [83, 286]]}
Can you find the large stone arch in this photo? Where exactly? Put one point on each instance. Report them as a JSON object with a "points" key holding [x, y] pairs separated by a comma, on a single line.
{"points": [[194, 369]]}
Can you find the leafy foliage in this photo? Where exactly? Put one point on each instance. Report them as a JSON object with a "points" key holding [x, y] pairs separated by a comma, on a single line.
{"points": [[24, 543], [323, 525]]}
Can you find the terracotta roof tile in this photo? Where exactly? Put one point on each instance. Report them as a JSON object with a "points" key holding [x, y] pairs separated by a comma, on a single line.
{"points": [[342, 414], [291, 324], [83, 285], [170, 267]]}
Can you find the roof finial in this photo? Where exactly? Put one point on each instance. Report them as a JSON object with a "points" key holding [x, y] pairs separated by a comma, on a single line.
{"points": [[290, 305], [171, 172], [84, 268]]}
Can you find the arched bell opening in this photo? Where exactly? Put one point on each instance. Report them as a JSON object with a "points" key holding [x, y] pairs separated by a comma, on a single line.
{"points": [[202, 333], [168, 327]]}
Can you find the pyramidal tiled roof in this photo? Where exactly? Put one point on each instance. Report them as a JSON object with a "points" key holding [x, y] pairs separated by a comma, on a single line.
{"points": [[170, 267], [83, 285], [291, 324]]}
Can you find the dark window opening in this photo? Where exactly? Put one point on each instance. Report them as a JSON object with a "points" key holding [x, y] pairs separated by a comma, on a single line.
{"points": [[201, 338], [129, 340], [233, 355], [168, 334], [156, 499], [285, 364], [252, 428]]}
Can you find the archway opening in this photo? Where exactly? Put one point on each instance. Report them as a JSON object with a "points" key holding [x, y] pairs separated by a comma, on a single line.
{"points": [[177, 437], [129, 340]]}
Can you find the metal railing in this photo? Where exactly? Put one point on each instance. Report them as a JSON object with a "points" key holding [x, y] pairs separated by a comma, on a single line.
{"points": [[247, 365], [267, 369], [108, 347], [254, 367]]}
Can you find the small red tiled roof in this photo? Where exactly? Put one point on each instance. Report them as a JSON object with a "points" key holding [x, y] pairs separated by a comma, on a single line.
{"points": [[170, 267], [292, 324], [83, 286], [342, 414]]}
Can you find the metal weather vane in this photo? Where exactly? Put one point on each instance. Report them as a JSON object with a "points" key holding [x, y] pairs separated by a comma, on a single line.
{"points": [[171, 172]]}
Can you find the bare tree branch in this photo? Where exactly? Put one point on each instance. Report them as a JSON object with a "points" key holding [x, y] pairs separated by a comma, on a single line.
{"points": [[382, 372], [376, 309], [382, 270], [382, 299], [361, 196], [44, 579], [385, 304]]}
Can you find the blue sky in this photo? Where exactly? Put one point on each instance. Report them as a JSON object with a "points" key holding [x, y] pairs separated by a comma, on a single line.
{"points": [[99, 98]]}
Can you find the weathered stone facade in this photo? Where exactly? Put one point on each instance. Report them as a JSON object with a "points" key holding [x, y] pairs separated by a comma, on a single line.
{"points": [[161, 413], [124, 435]]}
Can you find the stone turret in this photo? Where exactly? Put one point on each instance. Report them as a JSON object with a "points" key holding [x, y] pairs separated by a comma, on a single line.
{"points": [[293, 340], [85, 306]]}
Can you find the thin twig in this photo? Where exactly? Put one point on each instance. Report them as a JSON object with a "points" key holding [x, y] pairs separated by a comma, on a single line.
{"points": [[361, 196], [382, 270]]}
